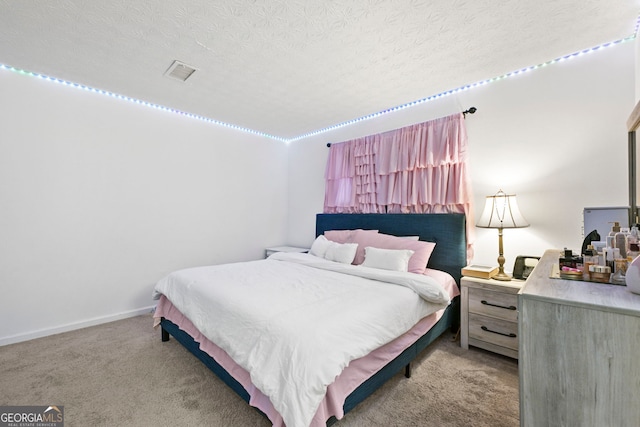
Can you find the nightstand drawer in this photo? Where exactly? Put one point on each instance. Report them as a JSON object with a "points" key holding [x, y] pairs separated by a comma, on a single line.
{"points": [[495, 304], [495, 331]]}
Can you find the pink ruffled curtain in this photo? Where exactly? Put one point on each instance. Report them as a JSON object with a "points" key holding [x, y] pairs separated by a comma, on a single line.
{"points": [[416, 169]]}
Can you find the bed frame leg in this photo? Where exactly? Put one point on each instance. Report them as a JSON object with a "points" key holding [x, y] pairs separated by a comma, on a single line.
{"points": [[407, 370], [164, 334]]}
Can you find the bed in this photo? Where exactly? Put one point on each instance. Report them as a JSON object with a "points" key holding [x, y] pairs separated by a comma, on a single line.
{"points": [[362, 375]]}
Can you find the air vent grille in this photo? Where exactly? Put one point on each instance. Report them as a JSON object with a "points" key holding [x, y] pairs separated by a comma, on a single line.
{"points": [[179, 70]]}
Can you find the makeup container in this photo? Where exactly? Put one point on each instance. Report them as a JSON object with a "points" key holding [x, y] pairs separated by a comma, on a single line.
{"points": [[600, 273]]}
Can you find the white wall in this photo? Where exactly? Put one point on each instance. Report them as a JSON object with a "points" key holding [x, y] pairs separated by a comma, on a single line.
{"points": [[99, 198], [555, 136]]}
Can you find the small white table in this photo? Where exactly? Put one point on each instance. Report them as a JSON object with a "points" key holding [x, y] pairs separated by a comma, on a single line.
{"points": [[274, 249]]}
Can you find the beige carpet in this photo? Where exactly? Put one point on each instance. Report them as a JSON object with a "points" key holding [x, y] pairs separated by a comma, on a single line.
{"points": [[120, 374]]}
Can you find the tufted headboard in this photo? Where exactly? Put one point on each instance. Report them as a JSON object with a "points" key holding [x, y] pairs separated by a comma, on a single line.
{"points": [[447, 231]]}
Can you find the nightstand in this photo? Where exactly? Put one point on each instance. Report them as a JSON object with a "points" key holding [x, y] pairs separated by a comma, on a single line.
{"points": [[274, 249], [489, 315]]}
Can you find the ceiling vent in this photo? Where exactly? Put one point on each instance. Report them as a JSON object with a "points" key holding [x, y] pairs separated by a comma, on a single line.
{"points": [[180, 71]]}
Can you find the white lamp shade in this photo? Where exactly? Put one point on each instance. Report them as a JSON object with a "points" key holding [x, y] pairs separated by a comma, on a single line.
{"points": [[501, 211]]}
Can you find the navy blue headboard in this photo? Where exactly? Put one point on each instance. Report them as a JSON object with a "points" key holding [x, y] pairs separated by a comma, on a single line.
{"points": [[447, 231]]}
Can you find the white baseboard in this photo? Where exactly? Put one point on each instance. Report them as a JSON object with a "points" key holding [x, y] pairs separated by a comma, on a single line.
{"points": [[73, 326]]}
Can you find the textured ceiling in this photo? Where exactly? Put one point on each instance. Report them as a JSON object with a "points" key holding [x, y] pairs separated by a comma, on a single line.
{"points": [[288, 67]]}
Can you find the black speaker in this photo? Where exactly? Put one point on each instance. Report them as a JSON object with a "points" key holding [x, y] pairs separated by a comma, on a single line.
{"points": [[524, 266]]}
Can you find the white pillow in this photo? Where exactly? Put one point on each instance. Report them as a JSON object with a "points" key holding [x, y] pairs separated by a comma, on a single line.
{"points": [[320, 246], [387, 259], [341, 252]]}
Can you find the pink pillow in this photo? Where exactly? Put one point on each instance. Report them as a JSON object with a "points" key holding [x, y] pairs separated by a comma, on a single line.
{"points": [[349, 236], [345, 236], [417, 262]]}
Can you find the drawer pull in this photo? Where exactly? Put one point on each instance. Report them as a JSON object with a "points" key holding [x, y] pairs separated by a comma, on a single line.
{"points": [[510, 307], [510, 335]]}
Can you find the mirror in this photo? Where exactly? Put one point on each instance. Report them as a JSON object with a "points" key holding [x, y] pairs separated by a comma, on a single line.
{"points": [[633, 123]]}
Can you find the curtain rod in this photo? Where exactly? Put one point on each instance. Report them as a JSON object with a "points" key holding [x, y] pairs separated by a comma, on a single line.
{"points": [[471, 110]]}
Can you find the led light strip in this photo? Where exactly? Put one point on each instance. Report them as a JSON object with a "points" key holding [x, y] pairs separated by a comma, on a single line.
{"points": [[466, 87], [145, 103], [339, 125]]}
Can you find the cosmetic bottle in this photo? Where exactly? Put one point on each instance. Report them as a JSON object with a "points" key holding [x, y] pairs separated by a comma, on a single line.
{"points": [[618, 277], [611, 237], [633, 244], [609, 255], [620, 241], [599, 247], [570, 260], [590, 257], [633, 252]]}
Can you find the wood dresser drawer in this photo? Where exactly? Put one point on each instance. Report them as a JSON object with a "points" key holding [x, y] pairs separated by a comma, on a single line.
{"points": [[494, 304], [493, 331]]}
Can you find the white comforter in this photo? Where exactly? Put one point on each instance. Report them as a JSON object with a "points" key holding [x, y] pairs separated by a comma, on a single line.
{"points": [[295, 321]]}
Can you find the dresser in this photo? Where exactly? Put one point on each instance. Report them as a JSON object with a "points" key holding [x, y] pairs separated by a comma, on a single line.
{"points": [[579, 351], [489, 315]]}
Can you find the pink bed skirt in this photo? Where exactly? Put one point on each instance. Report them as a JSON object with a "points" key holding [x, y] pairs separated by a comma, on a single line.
{"points": [[356, 373]]}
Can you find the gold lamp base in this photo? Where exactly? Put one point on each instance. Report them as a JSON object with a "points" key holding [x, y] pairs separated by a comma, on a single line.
{"points": [[501, 274]]}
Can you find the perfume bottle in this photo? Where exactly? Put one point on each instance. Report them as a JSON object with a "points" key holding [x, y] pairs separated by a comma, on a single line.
{"points": [[570, 260], [620, 241], [589, 258], [618, 277]]}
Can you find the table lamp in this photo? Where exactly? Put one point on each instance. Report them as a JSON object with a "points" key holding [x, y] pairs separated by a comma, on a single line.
{"points": [[501, 211]]}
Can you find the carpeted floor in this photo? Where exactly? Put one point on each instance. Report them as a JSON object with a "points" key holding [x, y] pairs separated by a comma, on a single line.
{"points": [[120, 374]]}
